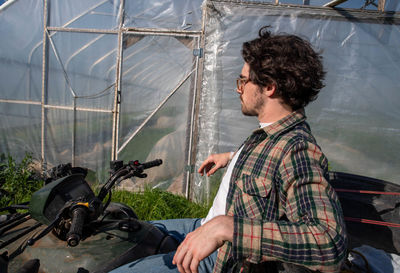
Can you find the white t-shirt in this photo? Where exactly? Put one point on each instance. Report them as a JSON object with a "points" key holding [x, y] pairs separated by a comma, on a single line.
{"points": [[219, 203]]}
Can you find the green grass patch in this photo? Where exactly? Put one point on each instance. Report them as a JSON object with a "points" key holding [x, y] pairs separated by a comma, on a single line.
{"points": [[155, 204]]}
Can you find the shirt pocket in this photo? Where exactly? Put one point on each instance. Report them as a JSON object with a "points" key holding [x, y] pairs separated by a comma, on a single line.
{"points": [[251, 196]]}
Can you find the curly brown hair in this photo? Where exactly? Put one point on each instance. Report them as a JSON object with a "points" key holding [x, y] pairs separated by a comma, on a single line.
{"points": [[288, 61]]}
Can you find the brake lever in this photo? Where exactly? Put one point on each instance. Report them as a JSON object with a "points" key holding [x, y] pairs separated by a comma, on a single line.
{"points": [[44, 232]]}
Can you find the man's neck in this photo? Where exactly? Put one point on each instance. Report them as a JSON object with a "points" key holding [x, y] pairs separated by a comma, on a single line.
{"points": [[274, 111]]}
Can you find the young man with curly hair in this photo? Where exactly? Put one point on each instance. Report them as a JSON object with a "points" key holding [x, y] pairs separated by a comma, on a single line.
{"points": [[279, 213], [274, 210]]}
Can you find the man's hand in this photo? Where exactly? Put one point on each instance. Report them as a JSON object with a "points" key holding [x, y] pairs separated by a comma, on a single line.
{"points": [[214, 162], [202, 242]]}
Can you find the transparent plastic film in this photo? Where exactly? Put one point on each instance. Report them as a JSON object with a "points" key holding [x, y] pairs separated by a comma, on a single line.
{"points": [[356, 117]]}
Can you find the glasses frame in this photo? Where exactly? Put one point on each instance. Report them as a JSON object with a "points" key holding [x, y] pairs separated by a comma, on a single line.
{"points": [[241, 83]]}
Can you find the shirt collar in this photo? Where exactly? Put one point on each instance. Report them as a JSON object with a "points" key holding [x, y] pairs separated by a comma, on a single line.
{"points": [[262, 125], [288, 121]]}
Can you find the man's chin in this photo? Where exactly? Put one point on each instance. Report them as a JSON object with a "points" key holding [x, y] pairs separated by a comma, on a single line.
{"points": [[248, 113]]}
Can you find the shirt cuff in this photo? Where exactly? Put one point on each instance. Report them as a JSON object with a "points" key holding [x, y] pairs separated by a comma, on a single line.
{"points": [[247, 237]]}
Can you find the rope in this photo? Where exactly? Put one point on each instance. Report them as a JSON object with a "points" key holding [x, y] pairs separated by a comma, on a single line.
{"points": [[373, 222], [368, 192]]}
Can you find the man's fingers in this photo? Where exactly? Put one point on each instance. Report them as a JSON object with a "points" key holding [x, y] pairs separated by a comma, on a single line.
{"points": [[194, 265], [216, 167], [179, 254], [213, 170], [178, 258], [187, 261], [205, 166]]}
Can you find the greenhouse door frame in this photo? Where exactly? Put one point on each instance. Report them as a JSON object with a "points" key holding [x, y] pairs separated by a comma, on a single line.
{"points": [[121, 31], [193, 96]]}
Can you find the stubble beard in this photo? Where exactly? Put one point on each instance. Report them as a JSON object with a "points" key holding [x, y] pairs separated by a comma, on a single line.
{"points": [[251, 112], [248, 112]]}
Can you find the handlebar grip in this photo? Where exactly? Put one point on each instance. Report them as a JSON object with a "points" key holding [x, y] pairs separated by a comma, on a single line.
{"points": [[77, 220], [151, 164]]}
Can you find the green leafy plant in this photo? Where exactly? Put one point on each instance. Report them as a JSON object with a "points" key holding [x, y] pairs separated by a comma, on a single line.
{"points": [[17, 180]]}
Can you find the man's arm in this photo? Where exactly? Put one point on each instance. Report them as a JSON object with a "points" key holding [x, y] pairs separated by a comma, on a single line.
{"points": [[314, 235], [200, 243]]}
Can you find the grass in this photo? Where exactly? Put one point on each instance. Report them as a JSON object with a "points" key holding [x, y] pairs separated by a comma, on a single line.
{"points": [[155, 204]]}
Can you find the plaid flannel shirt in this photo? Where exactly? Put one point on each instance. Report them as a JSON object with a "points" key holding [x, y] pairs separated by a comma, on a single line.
{"points": [[283, 207]]}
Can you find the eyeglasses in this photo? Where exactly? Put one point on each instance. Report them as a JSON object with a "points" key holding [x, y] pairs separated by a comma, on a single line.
{"points": [[241, 82]]}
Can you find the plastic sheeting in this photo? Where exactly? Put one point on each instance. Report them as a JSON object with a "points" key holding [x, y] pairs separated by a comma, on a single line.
{"points": [[356, 117], [143, 47], [177, 14], [58, 102]]}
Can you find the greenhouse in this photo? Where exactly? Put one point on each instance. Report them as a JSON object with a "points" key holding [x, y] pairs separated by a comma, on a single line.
{"points": [[92, 81]]}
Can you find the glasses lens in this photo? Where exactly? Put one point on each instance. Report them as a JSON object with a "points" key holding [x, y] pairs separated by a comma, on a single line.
{"points": [[240, 82]]}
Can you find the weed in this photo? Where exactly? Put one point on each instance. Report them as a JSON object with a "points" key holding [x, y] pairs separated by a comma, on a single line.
{"points": [[17, 182]]}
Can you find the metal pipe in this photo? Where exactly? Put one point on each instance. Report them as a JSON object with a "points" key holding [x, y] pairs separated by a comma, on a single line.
{"points": [[23, 233], [59, 107], [61, 64], [13, 224], [162, 32], [12, 220], [44, 80], [193, 106], [193, 126], [78, 109], [83, 30], [6, 4], [21, 102], [334, 3], [154, 112], [73, 133], [137, 31], [117, 95]]}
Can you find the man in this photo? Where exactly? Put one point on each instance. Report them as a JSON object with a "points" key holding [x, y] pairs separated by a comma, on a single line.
{"points": [[274, 211], [281, 213]]}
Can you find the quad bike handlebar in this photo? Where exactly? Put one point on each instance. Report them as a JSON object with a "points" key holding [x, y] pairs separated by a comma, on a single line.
{"points": [[120, 171], [78, 216], [68, 204]]}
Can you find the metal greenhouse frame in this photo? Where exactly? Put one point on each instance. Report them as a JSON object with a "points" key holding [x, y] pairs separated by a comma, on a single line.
{"points": [[214, 49]]}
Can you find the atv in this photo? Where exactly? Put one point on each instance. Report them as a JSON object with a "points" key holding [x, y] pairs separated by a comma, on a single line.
{"points": [[67, 228]]}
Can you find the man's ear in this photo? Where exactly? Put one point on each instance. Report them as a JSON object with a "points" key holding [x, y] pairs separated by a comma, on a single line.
{"points": [[270, 89]]}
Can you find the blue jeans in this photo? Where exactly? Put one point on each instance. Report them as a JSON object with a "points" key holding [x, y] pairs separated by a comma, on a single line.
{"points": [[160, 263]]}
